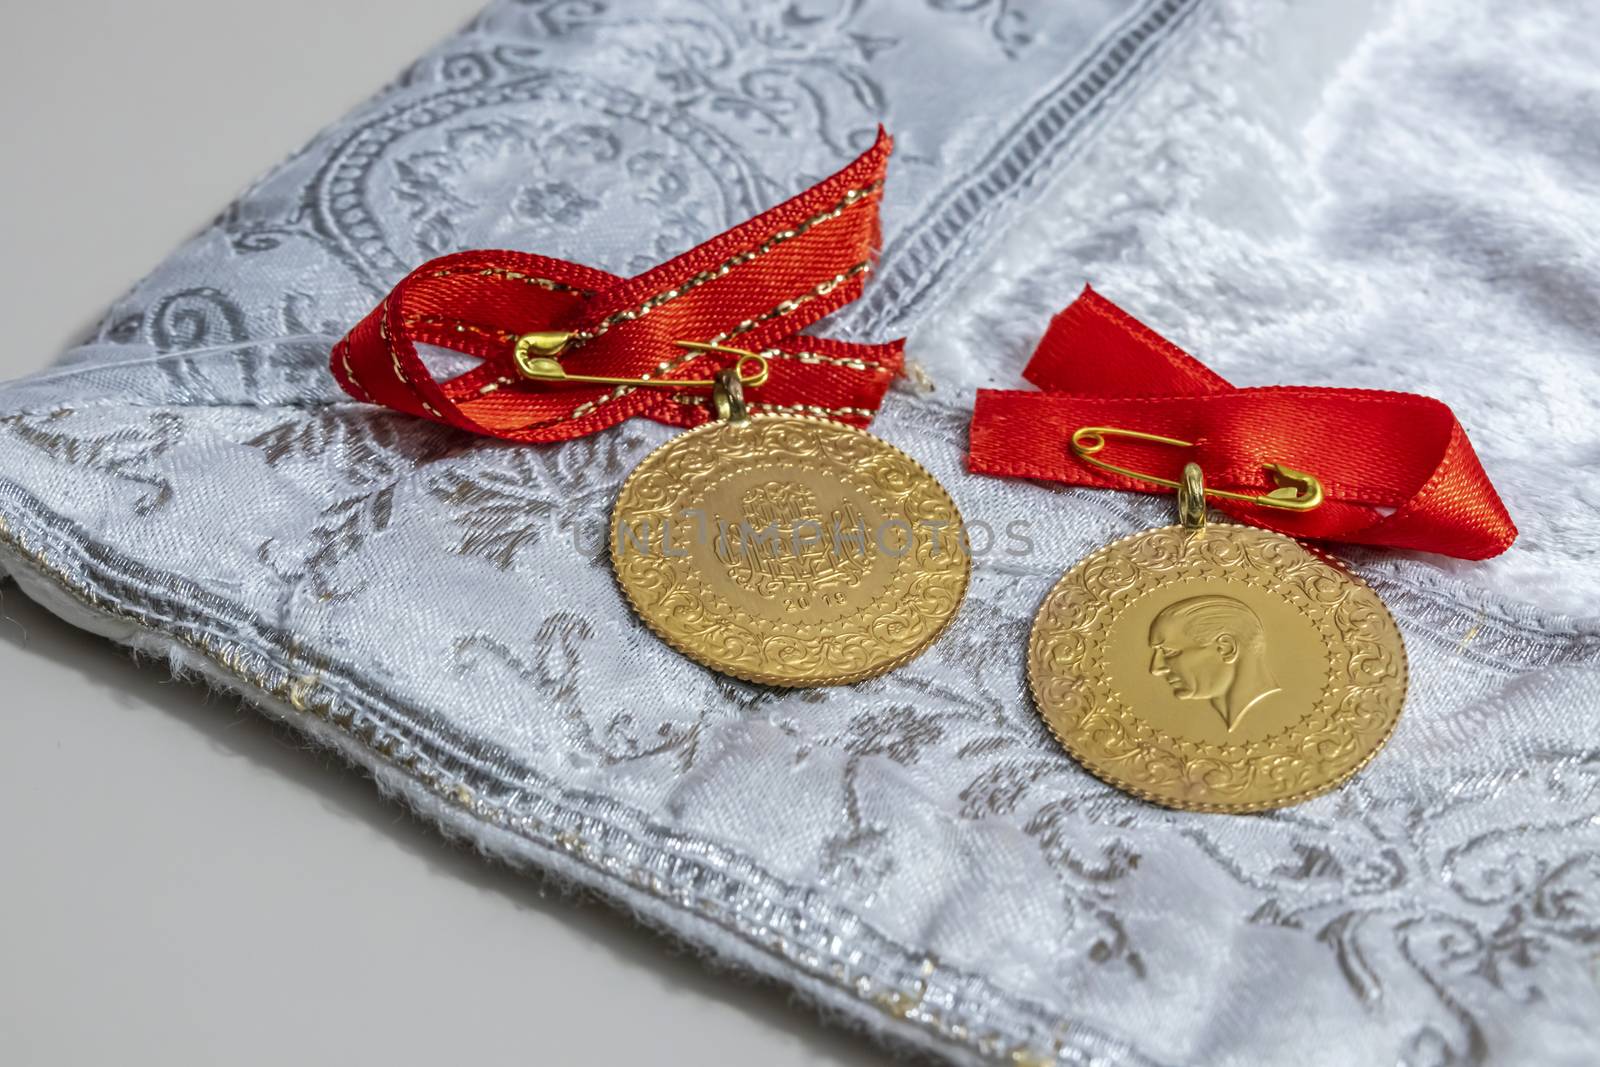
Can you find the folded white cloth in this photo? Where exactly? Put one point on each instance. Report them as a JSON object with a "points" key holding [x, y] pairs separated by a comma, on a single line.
{"points": [[1391, 195]]}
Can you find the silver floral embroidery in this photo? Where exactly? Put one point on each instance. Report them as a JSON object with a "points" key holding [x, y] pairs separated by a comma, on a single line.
{"points": [[128, 453], [512, 498], [913, 850]]}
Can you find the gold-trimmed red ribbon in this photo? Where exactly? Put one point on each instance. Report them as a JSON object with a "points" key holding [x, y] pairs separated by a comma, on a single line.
{"points": [[1397, 469], [753, 287]]}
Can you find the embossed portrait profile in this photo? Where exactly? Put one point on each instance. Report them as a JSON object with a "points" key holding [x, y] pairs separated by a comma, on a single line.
{"points": [[1213, 648]]}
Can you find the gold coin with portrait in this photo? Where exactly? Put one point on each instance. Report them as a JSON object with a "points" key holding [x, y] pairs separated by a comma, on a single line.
{"points": [[1219, 668], [789, 550]]}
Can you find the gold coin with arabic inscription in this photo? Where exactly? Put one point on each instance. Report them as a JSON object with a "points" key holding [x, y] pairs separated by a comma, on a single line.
{"points": [[1223, 668], [789, 550]]}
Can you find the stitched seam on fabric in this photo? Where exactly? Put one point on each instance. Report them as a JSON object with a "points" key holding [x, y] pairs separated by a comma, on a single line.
{"points": [[350, 373], [68, 583], [505, 274], [786, 307], [790, 306], [448, 323], [394, 358], [850, 199], [945, 227], [311, 695], [770, 353], [850, 363]]}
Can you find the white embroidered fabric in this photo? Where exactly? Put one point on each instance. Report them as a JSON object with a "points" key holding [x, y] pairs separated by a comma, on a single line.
{"points": [[1383, 194]]}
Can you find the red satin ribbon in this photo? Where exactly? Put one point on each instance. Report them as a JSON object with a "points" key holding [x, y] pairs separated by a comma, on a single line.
{"points": [[1397, 468], [753, 287]]}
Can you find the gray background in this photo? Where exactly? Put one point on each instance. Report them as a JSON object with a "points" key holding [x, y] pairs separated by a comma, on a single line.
{"points": [[182, 882]]}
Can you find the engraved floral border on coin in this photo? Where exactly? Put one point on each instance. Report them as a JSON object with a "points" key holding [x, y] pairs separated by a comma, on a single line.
{"points": [[946, 583], [1046, 634]]}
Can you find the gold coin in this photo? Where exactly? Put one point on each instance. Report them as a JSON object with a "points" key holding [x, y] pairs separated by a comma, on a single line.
{"points": [[789, 550], [1224, 668]]}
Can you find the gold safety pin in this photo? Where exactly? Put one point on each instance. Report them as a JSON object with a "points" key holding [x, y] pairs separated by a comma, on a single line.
{"points": [[1297, 490], [536, 352]]}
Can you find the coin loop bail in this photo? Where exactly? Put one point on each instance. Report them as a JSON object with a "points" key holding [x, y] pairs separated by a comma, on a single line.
{"points": [[1192, 498]]}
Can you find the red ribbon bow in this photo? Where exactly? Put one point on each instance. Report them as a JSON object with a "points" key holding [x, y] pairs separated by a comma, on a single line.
{"points": [[1397, 469], [753, 287]]}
